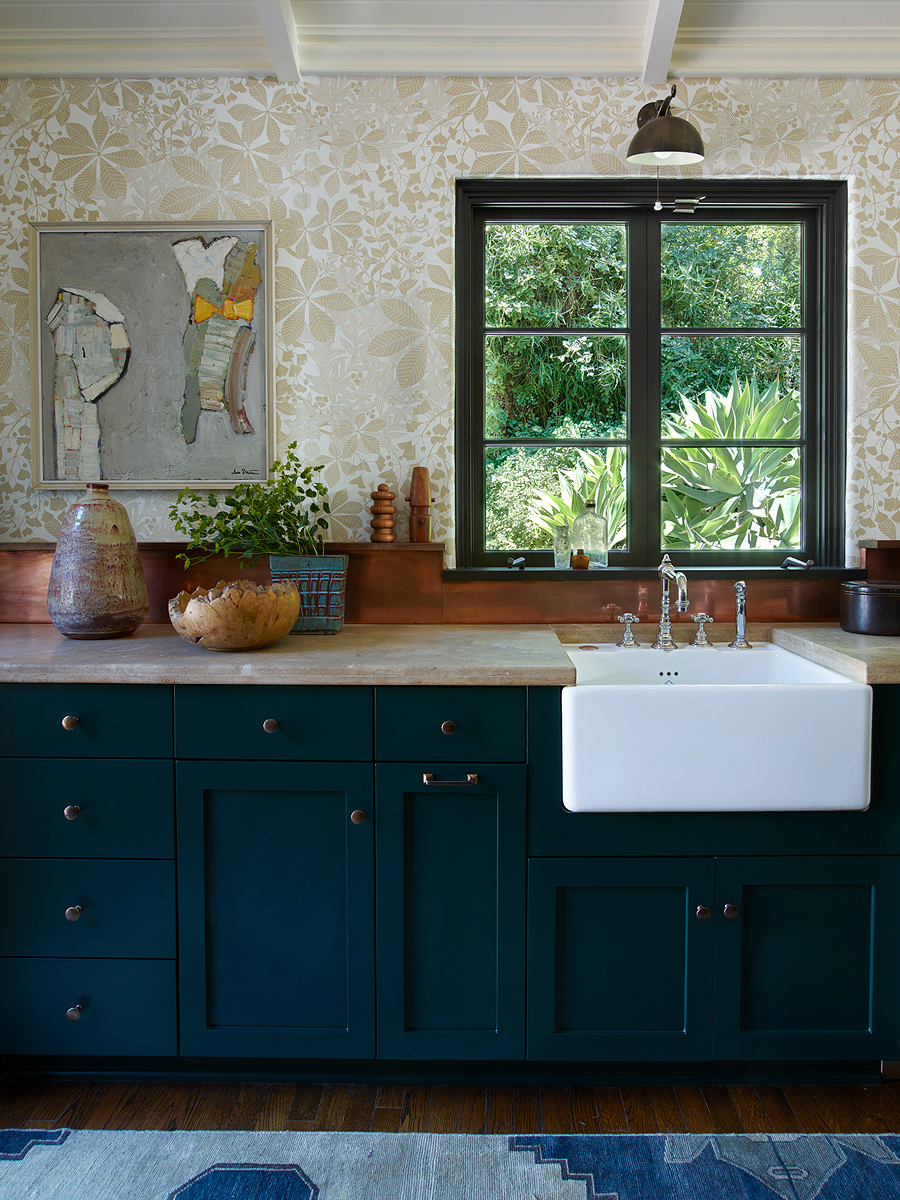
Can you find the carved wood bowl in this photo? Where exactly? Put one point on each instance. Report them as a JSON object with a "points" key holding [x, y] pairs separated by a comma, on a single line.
{"points": [[240, 615]]}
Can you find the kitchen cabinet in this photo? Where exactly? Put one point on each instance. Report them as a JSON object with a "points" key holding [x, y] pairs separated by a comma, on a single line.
{"points": [[87, 875], [742, 959]]}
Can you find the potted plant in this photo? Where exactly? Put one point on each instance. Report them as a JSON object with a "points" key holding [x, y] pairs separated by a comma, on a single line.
{"points": [[285, 518]]}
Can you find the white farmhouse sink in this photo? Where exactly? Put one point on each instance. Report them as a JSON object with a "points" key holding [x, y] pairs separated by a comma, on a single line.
{"points": [[712, 730]]}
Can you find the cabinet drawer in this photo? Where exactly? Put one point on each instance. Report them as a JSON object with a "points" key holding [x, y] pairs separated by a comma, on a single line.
{"points": [[127, 1007], [87, 808], [107, 720], [302, 722], [450, 724], [127, 908]]}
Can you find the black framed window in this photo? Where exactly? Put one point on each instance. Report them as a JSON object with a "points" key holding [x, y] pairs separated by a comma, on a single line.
{"points": [[687, 369]]}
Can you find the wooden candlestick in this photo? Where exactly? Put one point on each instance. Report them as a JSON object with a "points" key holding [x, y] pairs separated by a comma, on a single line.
{"points": [[383, 515], [420, 506]]}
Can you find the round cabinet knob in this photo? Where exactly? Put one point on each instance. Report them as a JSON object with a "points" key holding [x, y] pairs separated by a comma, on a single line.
{"points": [[270, 725], [71, 811], [703, 913], [74, 1014], [731, 911], [448, 727], [72, 914], [357, 816], [69, 722]]}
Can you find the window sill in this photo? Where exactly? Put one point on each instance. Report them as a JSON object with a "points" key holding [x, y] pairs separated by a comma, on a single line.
{"points": [[547, 574]]}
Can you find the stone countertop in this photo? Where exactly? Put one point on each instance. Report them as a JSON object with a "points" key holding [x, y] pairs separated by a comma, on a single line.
{"points": [[471, 655], [856, 655], [504, 655]]}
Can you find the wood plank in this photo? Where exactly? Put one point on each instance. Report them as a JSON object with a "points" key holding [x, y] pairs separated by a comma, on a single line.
{"points": [[528, 1110], [415, 1112], [442, 1110], [390, 1095], [500, 1110], [92, 1106], [386, 1120], [611, 1116], [584, 1109], [725, 1118], [276, 1108], [18, 1099], [694, 1110], [470, 1110], [360, 1108], [639, 1110], [749, 1108], [779, 1113], [556, 1111], [888, 1099], [666, 1109], [849, 1109], [249, 1106], [809, 1116], [307, 1099], [52, 1101]]}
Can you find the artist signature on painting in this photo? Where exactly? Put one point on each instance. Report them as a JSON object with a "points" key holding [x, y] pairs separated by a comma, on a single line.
{"points": [[243, 471]]}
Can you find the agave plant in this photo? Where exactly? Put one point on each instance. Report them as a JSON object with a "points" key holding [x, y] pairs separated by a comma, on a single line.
{"points": [[731, 496], [599, 476]]}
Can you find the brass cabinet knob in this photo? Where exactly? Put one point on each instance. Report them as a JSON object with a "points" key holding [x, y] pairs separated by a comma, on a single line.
{"points": [[74, 1014], [731, 911], [69, 722], [270, 725], [71, 811], [357, 816], [448, 727], [73, 913], [703, 913]]}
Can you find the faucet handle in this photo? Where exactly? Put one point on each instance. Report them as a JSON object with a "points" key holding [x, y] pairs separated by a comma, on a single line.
{"points": [[702, 620], [628, 639]]}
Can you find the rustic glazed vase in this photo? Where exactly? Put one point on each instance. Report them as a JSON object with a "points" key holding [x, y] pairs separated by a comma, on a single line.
{"points": [[97, 587]]}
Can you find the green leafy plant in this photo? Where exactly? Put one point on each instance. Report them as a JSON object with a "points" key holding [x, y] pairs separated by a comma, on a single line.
{"points": [[733, 496], [285, 515], [598, 476]]}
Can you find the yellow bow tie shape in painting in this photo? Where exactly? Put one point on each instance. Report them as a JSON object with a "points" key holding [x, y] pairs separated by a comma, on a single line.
{"points": [[203, 309]]}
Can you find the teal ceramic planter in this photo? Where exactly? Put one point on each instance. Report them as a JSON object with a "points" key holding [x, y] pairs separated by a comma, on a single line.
{"points": [[322, 582]]}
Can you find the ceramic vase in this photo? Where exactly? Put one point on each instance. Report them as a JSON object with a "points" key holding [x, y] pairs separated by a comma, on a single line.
{"points": [[97, 587]]}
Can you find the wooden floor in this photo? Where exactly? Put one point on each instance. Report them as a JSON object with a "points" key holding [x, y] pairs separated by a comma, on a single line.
{"points": [[737, 1109]]}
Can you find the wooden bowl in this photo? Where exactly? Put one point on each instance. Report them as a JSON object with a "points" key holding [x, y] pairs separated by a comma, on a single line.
{"points": [[240, 615]]}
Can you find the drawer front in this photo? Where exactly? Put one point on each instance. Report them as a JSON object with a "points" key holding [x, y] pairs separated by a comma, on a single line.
{"points": [[87, 908], [127, 1007], [105, 720], [301, 722], [87, 808], [450, 724]]}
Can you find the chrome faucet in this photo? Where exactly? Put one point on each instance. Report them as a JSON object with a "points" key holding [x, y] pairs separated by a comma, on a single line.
{"points": [[740, 633], [666, 573]]}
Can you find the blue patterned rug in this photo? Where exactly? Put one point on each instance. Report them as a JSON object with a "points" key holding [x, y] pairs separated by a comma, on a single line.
{"points": [[99, 1165]]}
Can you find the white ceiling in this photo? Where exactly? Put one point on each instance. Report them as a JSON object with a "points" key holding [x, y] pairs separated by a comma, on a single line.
{"points": [[645, 39]]}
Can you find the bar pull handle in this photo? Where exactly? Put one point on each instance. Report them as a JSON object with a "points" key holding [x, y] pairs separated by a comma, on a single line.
{"points": [[430, 781]]}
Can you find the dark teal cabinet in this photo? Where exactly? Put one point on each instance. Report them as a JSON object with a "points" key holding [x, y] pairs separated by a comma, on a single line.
{"points": [[275, 898], [450, 910], [619, 965], [742, 959]]}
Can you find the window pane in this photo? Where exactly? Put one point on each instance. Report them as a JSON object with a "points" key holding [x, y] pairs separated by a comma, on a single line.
{"points": [[731, 498], [555, 276], [692, 366], [744, 276], [530, 489], [548, 386]]}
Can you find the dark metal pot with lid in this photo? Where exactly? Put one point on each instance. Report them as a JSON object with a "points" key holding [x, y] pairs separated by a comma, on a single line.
{"points": [[871, 606]]}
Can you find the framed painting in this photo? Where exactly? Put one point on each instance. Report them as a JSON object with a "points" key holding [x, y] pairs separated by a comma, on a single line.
{"points": [[152, 352]]}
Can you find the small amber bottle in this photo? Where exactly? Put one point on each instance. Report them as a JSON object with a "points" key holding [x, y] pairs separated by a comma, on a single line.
{"points": [[580, 561]]}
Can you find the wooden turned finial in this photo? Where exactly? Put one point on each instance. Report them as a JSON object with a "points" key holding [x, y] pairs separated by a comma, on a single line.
{"points": [[383, 515], [420, 506]]}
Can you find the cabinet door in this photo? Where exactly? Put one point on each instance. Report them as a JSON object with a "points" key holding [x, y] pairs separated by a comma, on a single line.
{"points": [[275, 909], [620, 956], [806, 958], [451, 911]]}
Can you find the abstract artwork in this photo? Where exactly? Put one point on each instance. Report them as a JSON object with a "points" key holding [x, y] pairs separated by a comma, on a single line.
{"points": [[151, 353]]}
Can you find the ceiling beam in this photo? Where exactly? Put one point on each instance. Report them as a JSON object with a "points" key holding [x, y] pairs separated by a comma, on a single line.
{"points": [[280, 30], [659, 40]]}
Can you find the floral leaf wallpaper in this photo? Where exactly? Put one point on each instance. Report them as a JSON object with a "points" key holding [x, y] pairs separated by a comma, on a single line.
{"points": [[358, 175]]}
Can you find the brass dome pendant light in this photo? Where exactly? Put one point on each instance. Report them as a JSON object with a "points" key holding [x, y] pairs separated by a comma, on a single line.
{"points": [[663, 140]]}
